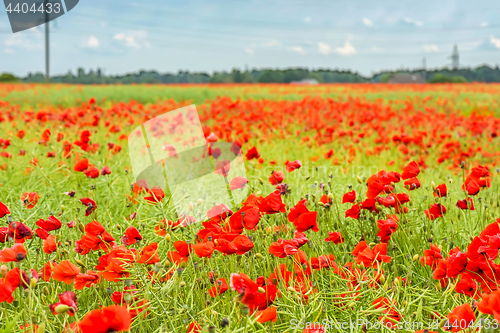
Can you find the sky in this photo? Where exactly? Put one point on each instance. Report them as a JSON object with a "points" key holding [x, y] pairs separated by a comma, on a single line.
{"points": [[171, 35]]}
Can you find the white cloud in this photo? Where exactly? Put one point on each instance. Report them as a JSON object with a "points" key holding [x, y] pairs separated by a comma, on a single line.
{"points": [[23, 42], [249, 50], [495, 41], [347, 49], [413, 21], [368, 22], [307, 19], [324, 49], [271, 43], [91, 42], [431, 48], [297, 49], [484, 24], [132, 39]]}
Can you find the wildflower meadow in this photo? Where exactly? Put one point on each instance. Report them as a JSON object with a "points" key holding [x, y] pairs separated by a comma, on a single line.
{"points": [[370, 208]]}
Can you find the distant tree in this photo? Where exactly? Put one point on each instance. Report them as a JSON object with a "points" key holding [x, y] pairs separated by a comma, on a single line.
{"points": [[272, 76], [7, 77], [442, 78]]}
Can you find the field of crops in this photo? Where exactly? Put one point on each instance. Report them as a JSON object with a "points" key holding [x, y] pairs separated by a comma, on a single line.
{"points": [[370, 208]]}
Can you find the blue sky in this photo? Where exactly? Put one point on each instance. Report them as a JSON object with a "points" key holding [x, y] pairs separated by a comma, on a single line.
{"points": [[171, 35]]}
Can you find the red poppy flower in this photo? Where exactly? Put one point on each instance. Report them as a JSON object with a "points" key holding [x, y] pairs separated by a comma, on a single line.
{"points": [[472, 188], [456, 263], [219, 288], [67, 298], [193, 327], [81, 165], [223, 167], [243, 244], [325, 199], [460, 318], [155, 195], [65, 272], [349, 197], [86, 280], [14, 254], [131, 236], [51, 224], [49, 244], [6, 291], [466, 204], [290, 166], [238, 182], [412, 184], [19, 231], [353, 212], [276, 177], [42, 233], [30, 199], [335, 237], [441, 190], [91, 205], [436, 210], [105, 171], [204, 249], [431, 257], [252, 153], [113, 318], [489, 304], [3, 210], [149, 254], [387, 228], [182, 253], [368, 256], [410, 171], [272, 204], [269, 314]]}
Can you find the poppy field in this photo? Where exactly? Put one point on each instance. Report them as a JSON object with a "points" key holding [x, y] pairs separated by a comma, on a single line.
{"points": [[371, 208]]}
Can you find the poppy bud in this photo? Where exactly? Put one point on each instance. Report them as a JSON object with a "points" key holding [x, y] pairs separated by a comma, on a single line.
{"points": [[109, 291], [258, 193], [258, 256], [245, 310], [168, 238], [292, 289], [182, 284], [191, 206], [128, 283], [4, 270], [450, 181], [237, 298], [61, 308], [127, 298], [33, 282], [313, 197], [321, 203], [382, 278], [62, 208], [415, 257], [261, 290], [261, 181], [433, 186], [81, 227], [119, 227], [224, 322], [41, 328], [359, 179], [211, 329], [167, 263], [330, 195], [199, 202], [45, 291], [157, 267]]}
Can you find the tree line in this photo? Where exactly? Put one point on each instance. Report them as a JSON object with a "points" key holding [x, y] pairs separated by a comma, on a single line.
{"points": [[483, 73]]}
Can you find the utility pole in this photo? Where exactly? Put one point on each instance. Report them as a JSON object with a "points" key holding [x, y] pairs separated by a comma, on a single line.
{"points": [[424, 66], [455, 58], [47, 53]]}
